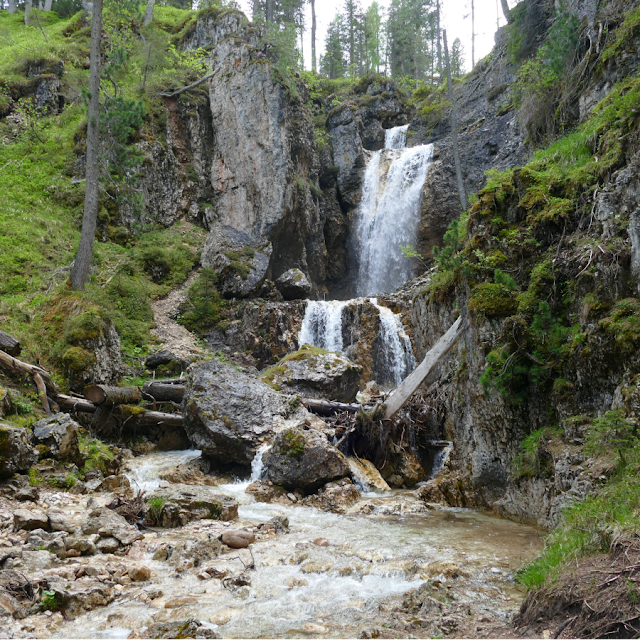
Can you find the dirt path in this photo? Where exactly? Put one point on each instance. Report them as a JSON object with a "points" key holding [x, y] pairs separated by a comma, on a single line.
{"points": [[172, 335]]}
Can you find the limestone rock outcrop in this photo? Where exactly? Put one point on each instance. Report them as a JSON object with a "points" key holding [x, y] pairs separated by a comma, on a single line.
{"points": [[316, 373], [16, 452], [58, 438]]}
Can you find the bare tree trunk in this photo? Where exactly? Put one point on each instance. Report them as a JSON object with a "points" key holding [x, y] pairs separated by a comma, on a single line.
{"points": [[148, 14], [314, 67], [9, 344], [497, 16], [454, 126], [507, 12], [256, 8], [28, 6], [269, 10], [438, 36], [12, 6], [82, 263], [47, 5], [473, 34]]}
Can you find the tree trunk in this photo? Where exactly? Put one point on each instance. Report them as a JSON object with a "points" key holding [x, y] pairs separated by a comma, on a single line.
{"points": [[439, 41], [82, 263], [47, 5], [473, 34], [12, 6], [9, 344], [269, 10], [103, 394], [256, 9], [161, 391], [148, 14], [507, 12], [403, 393], [454, 126], [313, 36], [28, 6], [17, 366]]}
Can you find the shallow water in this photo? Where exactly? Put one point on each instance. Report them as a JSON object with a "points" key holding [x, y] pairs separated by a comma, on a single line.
{"points": [[300, 589]]}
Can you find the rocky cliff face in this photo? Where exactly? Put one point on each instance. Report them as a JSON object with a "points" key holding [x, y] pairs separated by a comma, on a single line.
{"points": [[574, 273]]}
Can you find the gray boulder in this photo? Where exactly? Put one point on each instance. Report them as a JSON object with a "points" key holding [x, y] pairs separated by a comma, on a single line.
{"points": [[30, 519], [239, 261], [303, 458], [108, 524], [59, 434], [16, 454], [175, 507], [293, 285], [316, 373], [228, 414]]}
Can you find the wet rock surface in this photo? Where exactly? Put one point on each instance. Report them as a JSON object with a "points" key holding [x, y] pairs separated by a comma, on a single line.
{"points": [[57, 437], [229, 413], [293, 285], [303, 458]]}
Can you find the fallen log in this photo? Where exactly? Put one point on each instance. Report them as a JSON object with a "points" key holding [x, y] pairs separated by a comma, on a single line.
{"points": [[9, 344], [164, 392], [328, 407], [149, 417], [410, 384], [18, 366], [104, 394]]}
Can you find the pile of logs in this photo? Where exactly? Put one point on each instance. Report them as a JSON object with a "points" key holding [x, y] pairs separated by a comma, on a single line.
{"points": [[103, 400]]}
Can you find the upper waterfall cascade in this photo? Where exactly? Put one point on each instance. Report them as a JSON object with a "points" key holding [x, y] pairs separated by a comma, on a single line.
{"points": [[387, 217], [389, 213]]}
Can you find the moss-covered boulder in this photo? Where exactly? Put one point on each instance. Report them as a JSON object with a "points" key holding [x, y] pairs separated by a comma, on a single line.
{"points": [[316, 373], [16, 454], [303, 458]]}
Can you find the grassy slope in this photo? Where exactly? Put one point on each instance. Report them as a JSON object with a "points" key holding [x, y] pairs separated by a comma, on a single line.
{"points": [[41, 207]]}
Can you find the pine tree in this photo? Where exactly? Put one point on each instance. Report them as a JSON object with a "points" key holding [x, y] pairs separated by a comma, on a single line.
{"points": [[333, 63], [457, 59]]}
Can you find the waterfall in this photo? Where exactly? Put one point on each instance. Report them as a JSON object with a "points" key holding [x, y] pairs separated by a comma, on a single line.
{"points": [[389, 213], [257, 466], [397, 355], [396, 138], [322, 325]]}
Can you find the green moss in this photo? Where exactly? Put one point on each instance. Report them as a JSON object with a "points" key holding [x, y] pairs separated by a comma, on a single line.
{"points": [[294, 444], [85, 326], [78, 359], [624, 324], [493, 300]]}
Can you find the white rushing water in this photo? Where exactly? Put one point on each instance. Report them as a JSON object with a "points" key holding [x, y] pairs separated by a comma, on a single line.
{"points": [[389, 213], [299, 589], [257, 466], [145, 473], [325, 326], [322, 325]]}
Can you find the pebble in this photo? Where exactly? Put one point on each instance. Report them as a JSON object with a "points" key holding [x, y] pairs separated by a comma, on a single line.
{"points": [[222, 617], [140, 573], [321, 542]]}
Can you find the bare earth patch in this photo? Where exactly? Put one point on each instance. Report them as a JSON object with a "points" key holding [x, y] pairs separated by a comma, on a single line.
{"points": [[168, 332]]}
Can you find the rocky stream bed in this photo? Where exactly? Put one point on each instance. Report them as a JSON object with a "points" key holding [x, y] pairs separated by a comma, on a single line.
{"points": [[366, 565]]}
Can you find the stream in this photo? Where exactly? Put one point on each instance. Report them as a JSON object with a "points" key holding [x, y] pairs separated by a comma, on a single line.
{"points": [[385, 546]]}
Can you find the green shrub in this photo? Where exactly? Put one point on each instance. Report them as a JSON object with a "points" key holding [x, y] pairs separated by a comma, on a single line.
{"points": [[203, 307]]}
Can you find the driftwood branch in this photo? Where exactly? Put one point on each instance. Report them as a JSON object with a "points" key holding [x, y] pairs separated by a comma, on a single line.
{"points": [[42, 392], [177, 92], [9, 344], [327, 407], [410, 384], [18, 366]]}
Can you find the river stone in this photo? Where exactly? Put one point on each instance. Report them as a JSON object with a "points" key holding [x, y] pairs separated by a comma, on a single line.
{"points": [[184, 504], [264, 491], [61, 520], [336, 497], [16, 454], [182, 629], [303, 458], [366, 472], [140, 573], [59, 434], [238, 539], [316, 373], [107, 523], [30, 519], [239, 261], [293, 285], [81, 596], [228, 414]]}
